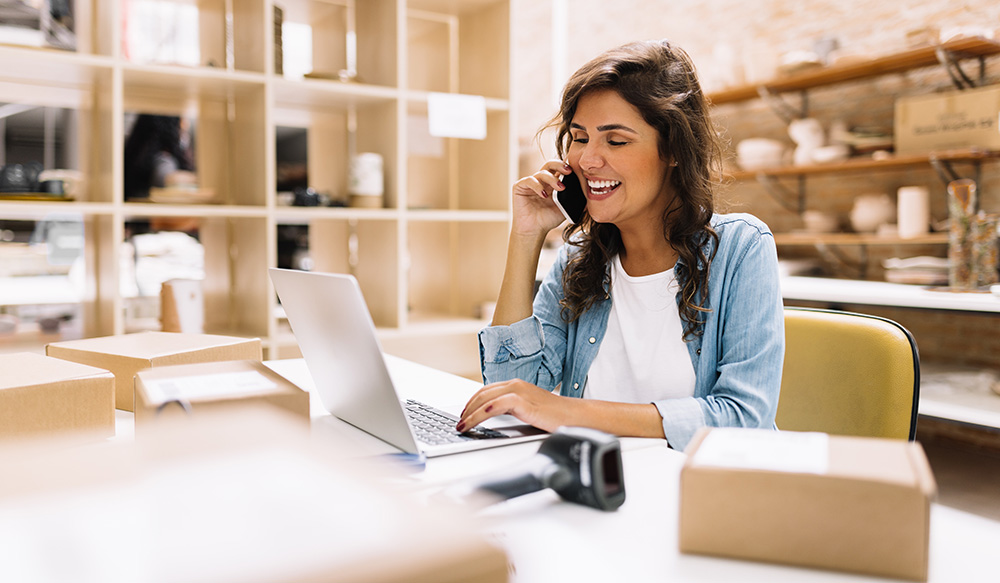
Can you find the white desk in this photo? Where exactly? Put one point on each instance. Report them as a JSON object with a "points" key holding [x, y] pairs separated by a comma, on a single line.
{"points": [[550, 540]]}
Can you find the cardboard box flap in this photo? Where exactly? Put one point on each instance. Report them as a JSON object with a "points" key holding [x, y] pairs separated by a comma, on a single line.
{"points": [[30, 369], [887, 461], [149, 345]]}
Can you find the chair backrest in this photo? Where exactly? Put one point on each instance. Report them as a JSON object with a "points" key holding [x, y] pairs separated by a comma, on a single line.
{"points": [[848, 374]]}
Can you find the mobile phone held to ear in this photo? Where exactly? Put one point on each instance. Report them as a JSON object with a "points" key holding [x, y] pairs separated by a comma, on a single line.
{"points": [[571, 200]]}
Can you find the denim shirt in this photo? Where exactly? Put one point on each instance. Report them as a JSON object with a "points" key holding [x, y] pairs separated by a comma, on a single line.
{"points": [[737, 356]]}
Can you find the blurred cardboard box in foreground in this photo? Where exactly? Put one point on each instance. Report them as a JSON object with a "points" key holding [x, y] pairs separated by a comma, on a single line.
{"points": [[240, 495], [808, 499], [189, 389], [127, 354], [40, 395]]}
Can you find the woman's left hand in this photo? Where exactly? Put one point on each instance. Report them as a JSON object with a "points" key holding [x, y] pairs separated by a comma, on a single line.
{"points": [[529, 403]]}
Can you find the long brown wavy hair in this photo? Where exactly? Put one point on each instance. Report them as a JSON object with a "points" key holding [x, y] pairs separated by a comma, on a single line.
{"points": [[660, 81]]}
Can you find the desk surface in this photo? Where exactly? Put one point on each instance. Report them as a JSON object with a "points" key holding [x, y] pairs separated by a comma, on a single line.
{"points": [[547, 539]]}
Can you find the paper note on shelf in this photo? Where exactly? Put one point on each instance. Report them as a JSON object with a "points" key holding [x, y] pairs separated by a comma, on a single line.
{"points": [[457, 116], [763, 449]]}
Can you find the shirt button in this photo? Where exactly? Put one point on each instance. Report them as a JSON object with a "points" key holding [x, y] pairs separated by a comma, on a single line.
{"points": [[698, 352], [576, 385], [593, 340]]}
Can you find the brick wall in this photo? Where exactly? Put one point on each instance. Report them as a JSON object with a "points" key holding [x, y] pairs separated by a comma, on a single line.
{"points": [[724, 35]]}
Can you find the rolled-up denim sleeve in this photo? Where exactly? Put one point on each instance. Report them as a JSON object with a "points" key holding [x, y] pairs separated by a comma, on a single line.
{"points": [[534, 348], [749, 349]]}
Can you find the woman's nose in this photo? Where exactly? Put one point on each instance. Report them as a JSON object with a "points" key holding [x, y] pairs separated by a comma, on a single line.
{"points": [[590, 158]]}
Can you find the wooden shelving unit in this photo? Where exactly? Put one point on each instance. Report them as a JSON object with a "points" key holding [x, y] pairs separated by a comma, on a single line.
{"points": [[867, 164], [900, 62], [436, 248], [956, 404]]}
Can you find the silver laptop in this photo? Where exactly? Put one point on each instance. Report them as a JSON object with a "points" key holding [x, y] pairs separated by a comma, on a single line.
{"points": [[336, 334]]}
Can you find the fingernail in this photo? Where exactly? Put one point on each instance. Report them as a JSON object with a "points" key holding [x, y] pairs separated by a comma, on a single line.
{"points": [[489, 408], [460, 427], [568, 167]]}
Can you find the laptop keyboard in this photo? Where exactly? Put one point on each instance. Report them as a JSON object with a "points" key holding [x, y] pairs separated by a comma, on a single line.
{"points": [[435, 427]]}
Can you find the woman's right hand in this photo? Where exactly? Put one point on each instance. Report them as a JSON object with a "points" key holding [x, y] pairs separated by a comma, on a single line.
{"points": [[535, 213]]}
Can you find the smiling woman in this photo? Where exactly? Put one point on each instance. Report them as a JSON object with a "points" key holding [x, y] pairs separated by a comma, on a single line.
{"points": [[661, 314]]}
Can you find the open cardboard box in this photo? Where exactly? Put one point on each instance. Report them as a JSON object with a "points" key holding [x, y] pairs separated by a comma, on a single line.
{"points": [[809, 499], [171, 391], [127, 354], [40, 395]]}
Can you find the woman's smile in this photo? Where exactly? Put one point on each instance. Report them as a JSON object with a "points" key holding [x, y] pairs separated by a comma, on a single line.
{"points": [[600, 189]]}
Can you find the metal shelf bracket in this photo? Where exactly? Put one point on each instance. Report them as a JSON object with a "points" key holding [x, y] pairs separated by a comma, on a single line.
{"points": [[950, 61], [781, 108], [946, 171], [792, 201]]}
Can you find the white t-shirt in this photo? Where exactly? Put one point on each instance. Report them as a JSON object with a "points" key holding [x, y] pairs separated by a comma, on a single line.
{"points": [[643, 357]]}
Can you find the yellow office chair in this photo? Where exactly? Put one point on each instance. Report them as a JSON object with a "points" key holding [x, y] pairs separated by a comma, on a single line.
{"points": [[848, 374]]}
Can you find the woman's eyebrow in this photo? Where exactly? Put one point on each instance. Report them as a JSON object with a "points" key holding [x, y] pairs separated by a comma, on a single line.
{"points": [[606, 128]]}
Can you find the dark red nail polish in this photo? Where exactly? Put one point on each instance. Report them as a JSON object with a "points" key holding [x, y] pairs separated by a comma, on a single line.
{"points": [[489, 408], [460, 427]]}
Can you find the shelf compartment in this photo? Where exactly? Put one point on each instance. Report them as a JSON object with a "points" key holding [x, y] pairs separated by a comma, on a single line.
{"points": [[229, 33], [332, 133], [458, 174], [230, 138], [455, 267], [367, 249], [461, 47], [348, 39], [73, 130], [893, 63], [235, 287]]}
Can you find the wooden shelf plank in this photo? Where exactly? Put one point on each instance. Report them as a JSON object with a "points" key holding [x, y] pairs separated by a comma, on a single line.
{"points": [[327, 93], [12, 209], [970, 155], [790, 239], [294, 215], [893, 63]]}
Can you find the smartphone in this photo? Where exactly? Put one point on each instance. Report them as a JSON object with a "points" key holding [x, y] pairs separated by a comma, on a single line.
{"points": [[571, 201]]}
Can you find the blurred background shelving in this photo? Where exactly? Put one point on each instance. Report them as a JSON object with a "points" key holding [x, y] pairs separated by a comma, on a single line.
{"points": [[259, 83]]}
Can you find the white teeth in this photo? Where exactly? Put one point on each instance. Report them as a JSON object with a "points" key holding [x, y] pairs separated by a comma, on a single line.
{"points": [[602, 184]]}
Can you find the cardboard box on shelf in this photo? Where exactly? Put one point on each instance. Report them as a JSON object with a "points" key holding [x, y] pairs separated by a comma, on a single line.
{"points": [[40, 395], [171, 391], [127, 354], [809, 499], [289, 508], [948, 121]]}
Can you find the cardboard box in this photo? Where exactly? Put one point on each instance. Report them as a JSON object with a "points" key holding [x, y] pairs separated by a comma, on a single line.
{"points": [[948, 121], [190, 389], [127, 354], [43, 395], [246, 495], [808, 499]]}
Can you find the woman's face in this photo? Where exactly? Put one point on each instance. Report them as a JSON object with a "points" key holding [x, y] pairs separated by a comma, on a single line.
{"points": [[616, 155]]}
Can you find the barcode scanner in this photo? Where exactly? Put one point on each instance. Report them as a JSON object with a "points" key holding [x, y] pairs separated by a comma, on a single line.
{"points": [[582, 466]]}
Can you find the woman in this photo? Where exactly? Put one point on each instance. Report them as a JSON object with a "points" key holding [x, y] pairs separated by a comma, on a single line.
{"points": [[665, 316]]}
